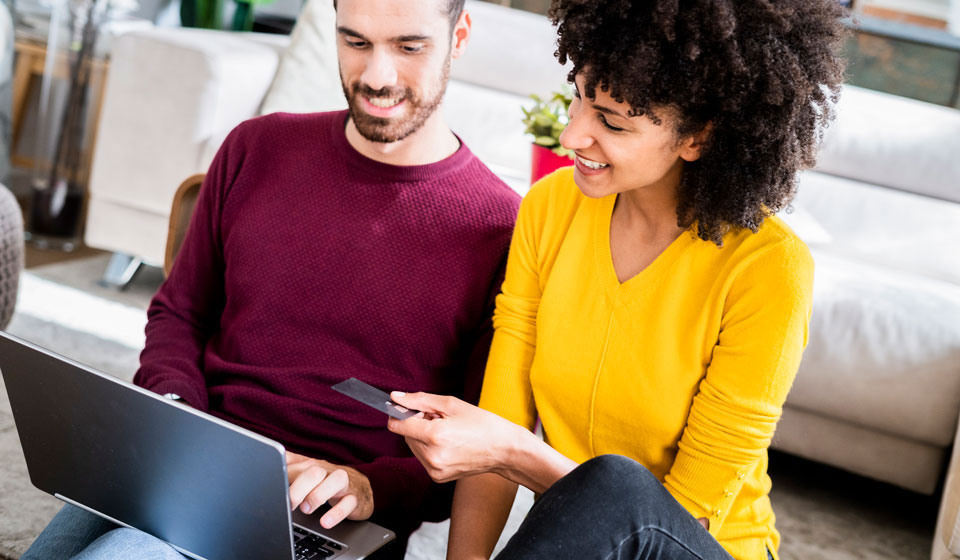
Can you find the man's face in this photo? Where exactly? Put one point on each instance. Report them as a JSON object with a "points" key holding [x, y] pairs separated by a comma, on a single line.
{"points": [[394, 63]]}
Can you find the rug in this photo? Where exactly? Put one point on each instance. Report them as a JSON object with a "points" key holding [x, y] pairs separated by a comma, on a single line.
{"points": [[822, 513]]}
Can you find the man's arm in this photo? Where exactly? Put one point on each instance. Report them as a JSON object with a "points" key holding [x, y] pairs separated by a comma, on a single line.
{"points": [[185, 312]]}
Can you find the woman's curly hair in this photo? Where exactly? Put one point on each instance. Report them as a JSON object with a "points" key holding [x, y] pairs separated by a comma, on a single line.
{"points": [[763, 73]]}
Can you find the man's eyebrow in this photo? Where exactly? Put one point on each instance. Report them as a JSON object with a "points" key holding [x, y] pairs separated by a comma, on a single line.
{"points": [[399, 39], [608, 111], [410, 38], [347, 31]]}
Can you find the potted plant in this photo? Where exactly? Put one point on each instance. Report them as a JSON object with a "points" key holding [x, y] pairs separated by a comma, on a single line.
{"points": [[545, 121], [208, 14]]}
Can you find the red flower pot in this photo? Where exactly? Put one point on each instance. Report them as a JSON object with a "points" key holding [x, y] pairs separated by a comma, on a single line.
{"points": [[544, 162]]}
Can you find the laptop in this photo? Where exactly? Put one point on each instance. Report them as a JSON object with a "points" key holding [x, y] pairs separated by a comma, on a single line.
{"points": [[210, 489]]}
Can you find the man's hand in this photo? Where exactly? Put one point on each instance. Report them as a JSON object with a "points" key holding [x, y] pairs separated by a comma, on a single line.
{"points": [[314, 482]]}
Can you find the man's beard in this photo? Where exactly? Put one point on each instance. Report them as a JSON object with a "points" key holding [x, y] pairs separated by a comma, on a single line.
{"points": [[377, 129]]}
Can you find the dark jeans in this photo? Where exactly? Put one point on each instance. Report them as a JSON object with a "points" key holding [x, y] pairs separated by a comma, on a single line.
{"points": [[611, 508]]}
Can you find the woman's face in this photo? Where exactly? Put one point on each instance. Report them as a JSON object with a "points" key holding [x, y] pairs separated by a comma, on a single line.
{"points": [[616, 153]]}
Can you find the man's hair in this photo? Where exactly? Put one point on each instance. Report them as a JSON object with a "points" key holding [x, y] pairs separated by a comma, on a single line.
{"points": [[453, 10], [763, 74]]}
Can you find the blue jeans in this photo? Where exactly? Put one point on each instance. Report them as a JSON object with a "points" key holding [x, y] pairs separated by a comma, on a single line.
{"points": [[611, 508], [75, 533]]}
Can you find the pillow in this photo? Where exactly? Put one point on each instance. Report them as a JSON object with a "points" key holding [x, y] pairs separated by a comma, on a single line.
{"points": [[308, 76]]}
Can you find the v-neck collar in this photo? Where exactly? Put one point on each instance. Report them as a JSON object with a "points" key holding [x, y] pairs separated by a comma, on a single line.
{"points": [[646, 278]]}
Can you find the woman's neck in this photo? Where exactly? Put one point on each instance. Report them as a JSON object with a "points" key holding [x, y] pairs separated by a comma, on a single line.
{"points": [[651, 211]]}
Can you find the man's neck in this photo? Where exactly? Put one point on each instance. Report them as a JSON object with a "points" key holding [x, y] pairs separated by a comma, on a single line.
{"points": [[431, 143]]}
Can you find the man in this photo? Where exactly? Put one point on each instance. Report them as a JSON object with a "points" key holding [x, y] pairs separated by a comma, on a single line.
{"points": [[367, 243]]}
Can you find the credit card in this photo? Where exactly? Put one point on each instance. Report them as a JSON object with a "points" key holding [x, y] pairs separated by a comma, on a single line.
{"points": [[373, 397]]}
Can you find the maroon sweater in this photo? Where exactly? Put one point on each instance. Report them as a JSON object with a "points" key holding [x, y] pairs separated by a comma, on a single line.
{"points": [[307, 263]]}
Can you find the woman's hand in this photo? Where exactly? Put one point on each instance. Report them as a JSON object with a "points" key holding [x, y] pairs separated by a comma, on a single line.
{"points": [[454, 439]]}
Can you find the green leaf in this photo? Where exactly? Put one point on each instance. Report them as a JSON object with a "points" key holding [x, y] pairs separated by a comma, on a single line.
{"points": [[544, 120]]}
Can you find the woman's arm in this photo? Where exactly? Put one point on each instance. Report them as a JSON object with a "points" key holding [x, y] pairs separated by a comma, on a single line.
{"points": [[735, 412], [481, 505], [454, 439]]}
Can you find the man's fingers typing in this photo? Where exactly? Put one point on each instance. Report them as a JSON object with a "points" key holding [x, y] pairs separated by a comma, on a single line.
{"points": [[337, 483], [339, 512], [303, 484]]}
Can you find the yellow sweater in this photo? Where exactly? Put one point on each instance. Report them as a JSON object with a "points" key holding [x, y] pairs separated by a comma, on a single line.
{"points": [[684, 367]]}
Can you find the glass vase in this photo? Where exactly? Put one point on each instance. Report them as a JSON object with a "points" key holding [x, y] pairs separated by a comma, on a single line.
{"points": [[58, 180]]}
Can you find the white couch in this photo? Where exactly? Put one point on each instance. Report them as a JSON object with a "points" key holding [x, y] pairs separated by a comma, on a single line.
{"points": [[878, 391]]}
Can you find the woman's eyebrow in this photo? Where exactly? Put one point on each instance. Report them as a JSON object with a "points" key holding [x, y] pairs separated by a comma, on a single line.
{"points": [[608, 111]]}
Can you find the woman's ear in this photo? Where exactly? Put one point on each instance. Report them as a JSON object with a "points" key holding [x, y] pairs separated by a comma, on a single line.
{"points": [[692, 146]]}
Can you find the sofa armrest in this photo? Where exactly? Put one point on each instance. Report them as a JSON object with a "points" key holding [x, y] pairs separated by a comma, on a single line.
{"points": [[171, 97]]}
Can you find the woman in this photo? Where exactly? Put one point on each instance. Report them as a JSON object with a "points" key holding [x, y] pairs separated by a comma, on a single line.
{"points": [[653, 306]]}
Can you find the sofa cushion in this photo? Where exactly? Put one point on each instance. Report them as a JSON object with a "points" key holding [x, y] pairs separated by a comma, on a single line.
{"points": [[802, 222], [510, 50], [308, 77], [896, 142], [888, 228], [884, 347], [883, 351], [489, 122]]}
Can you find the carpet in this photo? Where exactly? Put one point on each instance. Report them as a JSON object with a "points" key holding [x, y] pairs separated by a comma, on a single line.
{"points": [[822, 513]]}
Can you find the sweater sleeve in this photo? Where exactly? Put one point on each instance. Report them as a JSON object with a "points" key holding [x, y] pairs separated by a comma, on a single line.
{"points": [[506, 383], [186, 310], [732, 419]]}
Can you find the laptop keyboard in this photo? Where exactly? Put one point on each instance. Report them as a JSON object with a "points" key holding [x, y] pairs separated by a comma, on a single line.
{"points": [[310, 546]]}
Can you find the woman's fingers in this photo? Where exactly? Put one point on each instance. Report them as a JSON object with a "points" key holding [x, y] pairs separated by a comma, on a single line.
{"points": [[424, 402]]}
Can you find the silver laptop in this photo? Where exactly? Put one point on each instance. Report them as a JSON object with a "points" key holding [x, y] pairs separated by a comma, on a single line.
{"points": [[211, 489]]}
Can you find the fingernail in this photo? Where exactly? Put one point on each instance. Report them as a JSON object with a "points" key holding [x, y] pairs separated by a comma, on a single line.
{"points": [[305, 508], [397, 394]]}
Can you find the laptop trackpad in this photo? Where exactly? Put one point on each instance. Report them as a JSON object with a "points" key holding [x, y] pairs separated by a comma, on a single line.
{"points": [[360, 534]]}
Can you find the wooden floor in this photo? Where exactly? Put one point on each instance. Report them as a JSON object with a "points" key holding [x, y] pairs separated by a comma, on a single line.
{"points": [[38, 257]]}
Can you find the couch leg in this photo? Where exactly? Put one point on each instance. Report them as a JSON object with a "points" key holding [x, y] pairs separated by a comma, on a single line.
{"points": [[120, 271]]}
